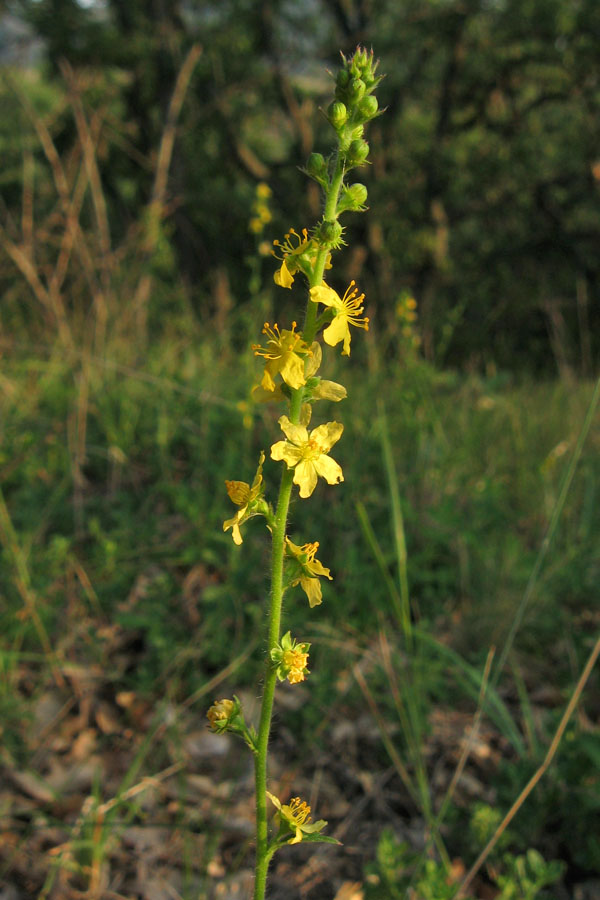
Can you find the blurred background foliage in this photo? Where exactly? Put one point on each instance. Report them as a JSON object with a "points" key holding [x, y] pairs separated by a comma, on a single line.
{"points": [[485, 168]]}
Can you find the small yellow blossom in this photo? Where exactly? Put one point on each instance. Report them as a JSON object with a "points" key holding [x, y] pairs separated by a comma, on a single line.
{"points": [[220, 714], [306, 452], [293, 248], [295, 816], [284, 354], [247, 498], [347, 310], [291, 659], [308, 570], [263, 190]]}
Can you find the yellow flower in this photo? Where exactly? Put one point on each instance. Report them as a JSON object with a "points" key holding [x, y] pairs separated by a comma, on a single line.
{"points": [[347, 310], [285, 353], [306, 452], [308, 570], [263, 190], [293, 249], [248, 498], [220, 714], [291, 659], [295, 816]]}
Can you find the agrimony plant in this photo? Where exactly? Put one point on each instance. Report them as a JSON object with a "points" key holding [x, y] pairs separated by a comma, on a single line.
{"points": [[292, 359]]}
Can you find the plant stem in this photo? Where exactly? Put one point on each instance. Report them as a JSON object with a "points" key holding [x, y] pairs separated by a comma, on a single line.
{"points": [[329, 215], [260, 761]]}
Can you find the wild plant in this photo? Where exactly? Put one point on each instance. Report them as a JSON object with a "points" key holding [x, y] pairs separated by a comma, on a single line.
{"points": [[292, 359]]}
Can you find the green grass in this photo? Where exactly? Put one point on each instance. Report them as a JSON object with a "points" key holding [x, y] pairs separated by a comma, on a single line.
{"points": [[478, 466], [463, 474]]}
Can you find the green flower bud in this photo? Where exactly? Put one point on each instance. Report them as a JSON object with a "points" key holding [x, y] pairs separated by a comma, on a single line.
{"points": [[368, 107], [317, 167], [356, 90], [357, 153], [363, 66], [342, 79], [329, 234], [337, 114], [353, 198]]}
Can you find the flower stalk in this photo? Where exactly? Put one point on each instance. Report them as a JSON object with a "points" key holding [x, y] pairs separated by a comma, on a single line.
{"points": [[291, 361]]}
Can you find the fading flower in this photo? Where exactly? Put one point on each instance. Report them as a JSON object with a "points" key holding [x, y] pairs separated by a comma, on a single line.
{"points": [[305, 570], [295, 817], [306, 452], [248, 498], [291, 659], [221, 714], [285, 354], [347, 310]]}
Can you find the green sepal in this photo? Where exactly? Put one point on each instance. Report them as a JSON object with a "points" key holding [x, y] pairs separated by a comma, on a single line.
{"points": [[319, 839]]}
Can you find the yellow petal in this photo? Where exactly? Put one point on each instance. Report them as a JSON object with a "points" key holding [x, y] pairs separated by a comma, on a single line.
{"points": [[274, 800], [295, 433], [305, 414], [283, 276], [317, 568], [292, 371], [267, 382], [239, 492], [313, 363], [286, 451], [305, 477], [327, 435], [236, 534], [328, 469], [346, 350], [337, 331], [325, 295], [330, 390], [261, 395], [312, 589]]}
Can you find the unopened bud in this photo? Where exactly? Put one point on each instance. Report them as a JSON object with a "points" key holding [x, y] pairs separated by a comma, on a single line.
{"points": [[353, 198], [356, 90], [357, 152], [337, 114], [329, 233], [316, 166], [342, 79], [368, 107]]}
